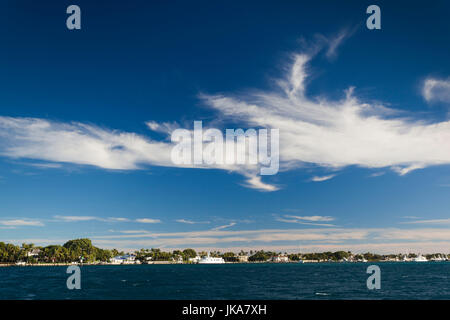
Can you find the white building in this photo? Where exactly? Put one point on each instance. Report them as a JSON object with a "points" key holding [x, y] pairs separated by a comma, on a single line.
{"points": [[34, 253], [211, 260], [194, 260], [125, 259], [280, 258], [243, 258]]}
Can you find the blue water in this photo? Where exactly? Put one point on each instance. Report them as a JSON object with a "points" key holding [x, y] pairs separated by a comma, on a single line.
{"points": [[230, 281]]}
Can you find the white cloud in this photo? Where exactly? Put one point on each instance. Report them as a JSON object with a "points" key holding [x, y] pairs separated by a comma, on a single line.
{"points": [[322, 178], [255, 182], [86, 144], [79, 144], [224, 226], [307, 220], [88, 218], [132, 231], [312, 218], [21, 223], [148, 220], [436, 90], [334, 43], [381, 240], [313, 130], [405, 170], [165, 127], [339, 133], [118, 219], [377, 174], [75, 218], [46, 165], [186, 221], [430, 221]]}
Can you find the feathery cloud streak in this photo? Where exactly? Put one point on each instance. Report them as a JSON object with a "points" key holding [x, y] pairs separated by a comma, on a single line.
{"points": [[332, 134], [340, 133]]}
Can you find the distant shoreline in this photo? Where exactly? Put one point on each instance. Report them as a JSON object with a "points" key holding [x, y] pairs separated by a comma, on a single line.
{"points": [[83, 252], [175, 263]]}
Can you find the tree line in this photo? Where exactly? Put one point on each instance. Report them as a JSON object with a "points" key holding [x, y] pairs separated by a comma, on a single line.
{"points": [[72, 251], [82, 250]]}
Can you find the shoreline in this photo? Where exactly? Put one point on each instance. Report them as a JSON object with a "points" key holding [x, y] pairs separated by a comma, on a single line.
{"points": [[175, 263]]}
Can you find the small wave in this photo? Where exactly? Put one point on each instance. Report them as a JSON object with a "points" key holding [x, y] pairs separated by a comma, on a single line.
{"points": [[322, 294]]}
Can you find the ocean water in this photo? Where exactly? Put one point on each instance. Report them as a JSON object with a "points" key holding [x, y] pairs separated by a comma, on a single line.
{"points": [[230, 281]]}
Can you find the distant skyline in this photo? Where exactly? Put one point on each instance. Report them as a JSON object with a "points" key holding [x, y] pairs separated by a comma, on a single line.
{"points": [[363, 115]]}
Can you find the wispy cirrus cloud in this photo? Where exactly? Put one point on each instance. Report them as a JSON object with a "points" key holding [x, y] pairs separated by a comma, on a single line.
{"points": [[21, 223], [131, 231], [59, 143], [148, 220], [429, 221], [255, 182], [380, 240], [187, 221], [335, 42], [307, 220], [322, 178], [88, 218], [313, 130], [79, 143], [118, 219], [224, 226], [45, 165], [377, 174], [76, 218], [108, 219], [312, 218], [336, 134]]}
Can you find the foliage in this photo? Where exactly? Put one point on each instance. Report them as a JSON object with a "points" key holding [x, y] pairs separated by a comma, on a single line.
{"points": [[71, 251], [78, 250]]}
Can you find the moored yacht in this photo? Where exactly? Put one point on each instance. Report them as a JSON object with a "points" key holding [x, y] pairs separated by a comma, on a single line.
{"points": [[420, 258]]}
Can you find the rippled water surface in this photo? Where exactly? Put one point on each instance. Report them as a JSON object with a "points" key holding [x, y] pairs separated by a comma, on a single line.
{"points": [[230, 281]]}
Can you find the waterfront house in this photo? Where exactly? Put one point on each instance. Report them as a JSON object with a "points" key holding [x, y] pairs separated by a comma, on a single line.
{"points": [[280, 258], [125, 259], [194, 260], [243, 258], [116, 260], [34, 253]]}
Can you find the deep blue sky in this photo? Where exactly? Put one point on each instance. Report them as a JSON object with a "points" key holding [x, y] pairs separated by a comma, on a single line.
{"points": [[135, 61]]}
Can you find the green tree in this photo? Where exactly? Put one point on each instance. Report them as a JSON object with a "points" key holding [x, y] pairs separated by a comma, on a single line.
{"points": [[189, 253], [230, 257]]}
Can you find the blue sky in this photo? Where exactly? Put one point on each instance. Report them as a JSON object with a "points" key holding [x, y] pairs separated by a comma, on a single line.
{"points": [[364, 152]]}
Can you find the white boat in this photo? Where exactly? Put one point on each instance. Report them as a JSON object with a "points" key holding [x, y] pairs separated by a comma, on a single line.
{"points": [[211, 260], [420, 258]]}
